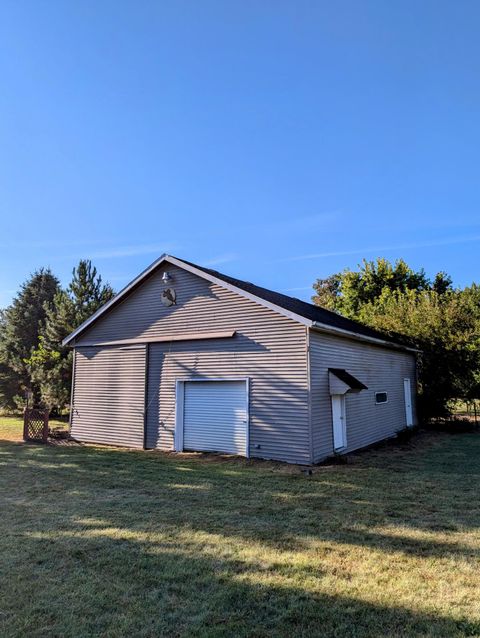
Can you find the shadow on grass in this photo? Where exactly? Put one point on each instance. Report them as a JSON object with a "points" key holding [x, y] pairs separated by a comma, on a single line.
{"points": [[126, 540], [118, 583]]}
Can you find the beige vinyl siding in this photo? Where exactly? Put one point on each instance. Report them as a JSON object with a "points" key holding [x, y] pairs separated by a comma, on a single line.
{"points": [[380, 369], [268, 348], [109, 395], [201, 307]]}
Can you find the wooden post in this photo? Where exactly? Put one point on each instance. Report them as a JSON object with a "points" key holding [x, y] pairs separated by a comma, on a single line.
{"points": [[45, 427], [25, 424]]}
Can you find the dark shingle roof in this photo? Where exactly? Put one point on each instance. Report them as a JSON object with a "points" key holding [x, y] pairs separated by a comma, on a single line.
{"points": [[304, 309]]}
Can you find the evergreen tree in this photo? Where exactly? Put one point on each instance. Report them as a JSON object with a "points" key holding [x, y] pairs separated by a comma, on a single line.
{"points": [[20, 327], [51, 363]]}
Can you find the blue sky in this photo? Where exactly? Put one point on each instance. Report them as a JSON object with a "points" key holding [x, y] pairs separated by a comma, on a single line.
{"points": [[276, 141]]}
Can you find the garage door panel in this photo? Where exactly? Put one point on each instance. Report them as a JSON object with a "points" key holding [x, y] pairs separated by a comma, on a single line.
{"points": [[215, 416]]}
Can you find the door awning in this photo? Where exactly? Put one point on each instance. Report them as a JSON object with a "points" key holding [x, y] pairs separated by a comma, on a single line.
{"points": [[341, 382]]}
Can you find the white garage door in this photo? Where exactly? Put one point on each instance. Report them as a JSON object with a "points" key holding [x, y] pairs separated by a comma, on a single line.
{"points": [[215, 416]]}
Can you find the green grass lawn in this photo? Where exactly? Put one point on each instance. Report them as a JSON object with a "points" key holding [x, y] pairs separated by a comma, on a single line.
{"points": [[107, 542]]}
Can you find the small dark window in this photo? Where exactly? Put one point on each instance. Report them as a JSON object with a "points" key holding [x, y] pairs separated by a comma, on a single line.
{"points": [[381, 397]]}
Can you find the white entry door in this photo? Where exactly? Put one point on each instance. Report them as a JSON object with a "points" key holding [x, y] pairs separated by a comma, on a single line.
{"points": [[215, 416], [339, 422], [408, 402]]}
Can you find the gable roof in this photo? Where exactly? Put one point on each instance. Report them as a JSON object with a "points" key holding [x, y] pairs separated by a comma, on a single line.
{"points": [[308, 314], [315, 314]]}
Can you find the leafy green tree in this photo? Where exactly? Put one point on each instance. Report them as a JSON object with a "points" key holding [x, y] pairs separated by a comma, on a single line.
{"points": [[20, 326], [347, 291], [445, 327], [471, 384], [442, 283], [442, 322], [51, 363]]}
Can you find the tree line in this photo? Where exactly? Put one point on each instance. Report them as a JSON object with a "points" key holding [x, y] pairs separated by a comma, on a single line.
{"points": [[42, 314], [441, 321]]}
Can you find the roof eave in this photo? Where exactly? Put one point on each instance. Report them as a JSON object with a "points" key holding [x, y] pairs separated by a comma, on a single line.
{"points": [[224, 284], [322, 327]]}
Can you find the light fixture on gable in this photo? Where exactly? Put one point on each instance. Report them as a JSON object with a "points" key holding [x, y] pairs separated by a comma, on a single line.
{"points": [[168, 296]]}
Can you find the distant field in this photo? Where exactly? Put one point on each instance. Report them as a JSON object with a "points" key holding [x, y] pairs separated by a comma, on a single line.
{"points": [[468, 411], [107, 542]]}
